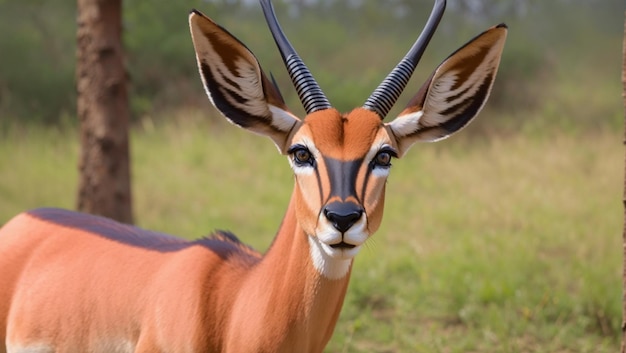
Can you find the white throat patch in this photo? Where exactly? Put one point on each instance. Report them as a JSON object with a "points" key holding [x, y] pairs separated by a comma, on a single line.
{"points": [[328, 267]]}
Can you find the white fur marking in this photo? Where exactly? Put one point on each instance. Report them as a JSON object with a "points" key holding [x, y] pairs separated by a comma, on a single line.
{"points": [[282, 119], [328, 267], [335, 263], [381, 172], [406, 124], [31, 348]]}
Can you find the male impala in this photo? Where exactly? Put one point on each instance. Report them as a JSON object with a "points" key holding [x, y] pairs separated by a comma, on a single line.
{"points": [[72, 282]]}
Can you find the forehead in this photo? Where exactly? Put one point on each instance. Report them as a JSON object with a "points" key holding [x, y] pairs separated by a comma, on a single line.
{"points": [[343, 136]]}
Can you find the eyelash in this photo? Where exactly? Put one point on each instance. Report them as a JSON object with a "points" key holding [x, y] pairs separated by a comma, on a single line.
{"points": [[305, 160], [386, 165]]}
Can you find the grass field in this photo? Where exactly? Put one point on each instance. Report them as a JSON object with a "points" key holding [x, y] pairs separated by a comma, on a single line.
{"points": [[489, 243]]}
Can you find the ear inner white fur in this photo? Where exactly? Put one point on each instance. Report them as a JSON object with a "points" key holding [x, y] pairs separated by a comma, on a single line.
{"points": [[458, 90], [234, 82]]}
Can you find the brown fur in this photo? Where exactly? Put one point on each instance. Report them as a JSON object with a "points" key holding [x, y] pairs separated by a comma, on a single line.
{"points": [[344, 137], [187, 300]]}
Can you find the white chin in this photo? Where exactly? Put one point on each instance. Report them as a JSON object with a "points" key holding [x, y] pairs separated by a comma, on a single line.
{"points": [[339, 253], [331, 263]]}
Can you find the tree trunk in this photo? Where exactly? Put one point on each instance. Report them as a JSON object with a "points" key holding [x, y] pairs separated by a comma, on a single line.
{"points": [[623, 350], [103, 111]]}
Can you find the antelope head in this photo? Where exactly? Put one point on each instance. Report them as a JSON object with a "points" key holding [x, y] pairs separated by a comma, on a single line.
{"points": [[341, 161]]}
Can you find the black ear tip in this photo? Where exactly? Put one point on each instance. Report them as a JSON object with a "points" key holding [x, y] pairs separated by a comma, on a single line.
{"points": [[502, 25], [195, 12]]}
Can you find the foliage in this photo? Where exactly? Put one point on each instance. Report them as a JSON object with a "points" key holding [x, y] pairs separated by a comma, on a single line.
{"points": [[37, 61], [349, 46]]}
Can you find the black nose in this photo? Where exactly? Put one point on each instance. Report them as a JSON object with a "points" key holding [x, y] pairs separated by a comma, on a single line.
{"points": [[343, 214]]}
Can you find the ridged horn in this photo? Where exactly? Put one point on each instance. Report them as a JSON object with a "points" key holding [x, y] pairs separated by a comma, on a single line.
{"points": [[311, 95], [386, 95]]}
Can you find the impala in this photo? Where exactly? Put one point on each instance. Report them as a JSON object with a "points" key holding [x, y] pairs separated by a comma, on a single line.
{"points": [[71, 282]]}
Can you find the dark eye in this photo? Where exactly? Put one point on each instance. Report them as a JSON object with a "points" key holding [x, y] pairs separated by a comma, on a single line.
{"points": [[301, 156], [383, 159]]}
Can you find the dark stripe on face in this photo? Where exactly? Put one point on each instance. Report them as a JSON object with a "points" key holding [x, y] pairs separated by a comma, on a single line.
{"points": [[342, 176], [366, 179], [319, 186]]}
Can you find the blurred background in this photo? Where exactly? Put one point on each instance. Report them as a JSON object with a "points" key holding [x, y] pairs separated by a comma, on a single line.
{"points": [[560, 68], [505, 238]]}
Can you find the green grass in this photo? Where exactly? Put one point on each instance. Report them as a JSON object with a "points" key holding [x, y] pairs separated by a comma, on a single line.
{"points": [[489, 244]]}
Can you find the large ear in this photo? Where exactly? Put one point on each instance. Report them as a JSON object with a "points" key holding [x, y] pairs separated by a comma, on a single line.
{"points": [[455, 93], [236, 84]]}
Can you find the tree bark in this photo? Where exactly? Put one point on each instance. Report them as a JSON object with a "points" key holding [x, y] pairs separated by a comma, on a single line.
{"points": [[623, 349], [103, 111]]}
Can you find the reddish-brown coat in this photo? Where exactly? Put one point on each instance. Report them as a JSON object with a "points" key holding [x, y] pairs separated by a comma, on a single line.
{"points": [[188, 300], [343, 136]]}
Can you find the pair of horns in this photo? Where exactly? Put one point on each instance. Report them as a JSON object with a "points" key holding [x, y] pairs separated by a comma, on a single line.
{"points": [[385, 95]]}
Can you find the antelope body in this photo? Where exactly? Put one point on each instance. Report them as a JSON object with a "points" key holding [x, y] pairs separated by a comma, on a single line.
{"points": [[71, 282]]}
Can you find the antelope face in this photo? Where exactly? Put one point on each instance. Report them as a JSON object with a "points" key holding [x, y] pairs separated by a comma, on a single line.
{"points": [[341, 161]]}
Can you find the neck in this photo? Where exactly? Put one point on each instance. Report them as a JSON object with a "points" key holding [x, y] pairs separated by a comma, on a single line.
{"points": [[286, 301]]}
